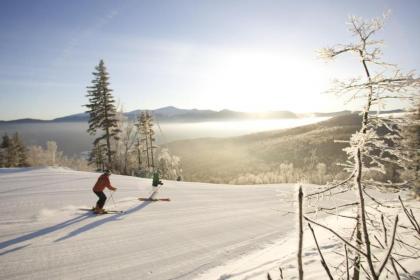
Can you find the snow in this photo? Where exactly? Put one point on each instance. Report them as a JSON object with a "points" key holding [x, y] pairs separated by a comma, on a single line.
{"points": [[43, 235], [206, 231]]}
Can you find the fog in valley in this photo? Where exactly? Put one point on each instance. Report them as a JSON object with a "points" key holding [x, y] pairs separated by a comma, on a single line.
{"points": [[72, 138]]}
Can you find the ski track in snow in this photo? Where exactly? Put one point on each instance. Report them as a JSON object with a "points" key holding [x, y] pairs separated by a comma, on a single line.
{"points": [[43, 235]]}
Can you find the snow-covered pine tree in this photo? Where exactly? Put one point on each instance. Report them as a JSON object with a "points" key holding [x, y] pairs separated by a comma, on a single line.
{"points": [[101, 109], [169, 166]]}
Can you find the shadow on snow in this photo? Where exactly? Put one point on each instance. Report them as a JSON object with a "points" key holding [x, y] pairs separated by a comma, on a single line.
{"points": [[65, 224], [40, 232], [113, 217]]}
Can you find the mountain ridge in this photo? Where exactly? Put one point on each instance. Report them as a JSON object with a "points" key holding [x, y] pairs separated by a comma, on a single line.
{"points": [[174, 114]]}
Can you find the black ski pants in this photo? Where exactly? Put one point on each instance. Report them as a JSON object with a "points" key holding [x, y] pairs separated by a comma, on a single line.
{"points": [[101, 201]]}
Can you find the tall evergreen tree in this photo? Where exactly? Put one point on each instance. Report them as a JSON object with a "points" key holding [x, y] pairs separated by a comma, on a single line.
{"points": [[101, 109]]}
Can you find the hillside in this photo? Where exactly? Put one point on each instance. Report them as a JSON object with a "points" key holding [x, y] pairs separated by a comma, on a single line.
{"points": [[224, 160]]}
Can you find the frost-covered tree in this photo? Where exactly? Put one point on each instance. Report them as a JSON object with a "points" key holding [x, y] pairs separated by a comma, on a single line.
{"points": [[147, 139], [374, 146], [125, 146], [102, 111], [169, 166], [52, 152], [51, 155]]}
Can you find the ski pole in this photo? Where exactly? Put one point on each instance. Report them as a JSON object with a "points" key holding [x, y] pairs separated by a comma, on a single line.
{"points": [[112, 197]]}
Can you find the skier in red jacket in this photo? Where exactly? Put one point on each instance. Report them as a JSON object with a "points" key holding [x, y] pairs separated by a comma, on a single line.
{"points": [[102, 183]]}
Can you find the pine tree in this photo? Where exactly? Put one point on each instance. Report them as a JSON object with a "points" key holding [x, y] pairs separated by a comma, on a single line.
{"points": [[4, 157], [13, 152], [102, 111]]}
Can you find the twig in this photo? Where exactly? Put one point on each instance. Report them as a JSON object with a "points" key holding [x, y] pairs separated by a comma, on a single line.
{"points": [[342, 216], [390, 248], [410, 217], [324, 264], [336, 234], [379, 242], [281, 273], [405, 270], [332, 187], [384, 228], [377, 201], [397, 274], [367, 273], [406, 244], [333, 208]]}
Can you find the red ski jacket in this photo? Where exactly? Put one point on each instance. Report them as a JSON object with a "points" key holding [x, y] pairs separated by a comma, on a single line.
{"points": [[102, 183]]}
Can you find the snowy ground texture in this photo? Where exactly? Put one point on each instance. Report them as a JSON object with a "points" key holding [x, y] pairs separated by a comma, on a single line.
{"points": [[205, 232]]}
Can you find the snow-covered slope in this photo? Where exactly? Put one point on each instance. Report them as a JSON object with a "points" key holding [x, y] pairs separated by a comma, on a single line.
{"points": [[206, 232], [43, 235]]}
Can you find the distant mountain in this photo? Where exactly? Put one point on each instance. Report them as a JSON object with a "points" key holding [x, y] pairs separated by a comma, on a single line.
{"points": [[73, 118], [173, 114], [27, 120]]}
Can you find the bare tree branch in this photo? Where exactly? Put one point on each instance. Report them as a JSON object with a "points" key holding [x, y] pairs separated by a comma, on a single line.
{"points": [[323, 262], [336, 234]]}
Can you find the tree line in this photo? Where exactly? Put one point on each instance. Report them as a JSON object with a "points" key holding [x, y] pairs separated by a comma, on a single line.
{"points": [[14, 153]]}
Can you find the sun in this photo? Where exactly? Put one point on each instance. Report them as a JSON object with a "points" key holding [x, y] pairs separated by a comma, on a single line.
{"points": [[262, 81]]}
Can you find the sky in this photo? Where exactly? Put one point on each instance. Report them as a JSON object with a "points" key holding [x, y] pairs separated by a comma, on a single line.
{"points": [[244, 55]]}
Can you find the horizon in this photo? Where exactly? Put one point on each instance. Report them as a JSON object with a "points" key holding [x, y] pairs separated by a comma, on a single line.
{"points": [[254, 56]]}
